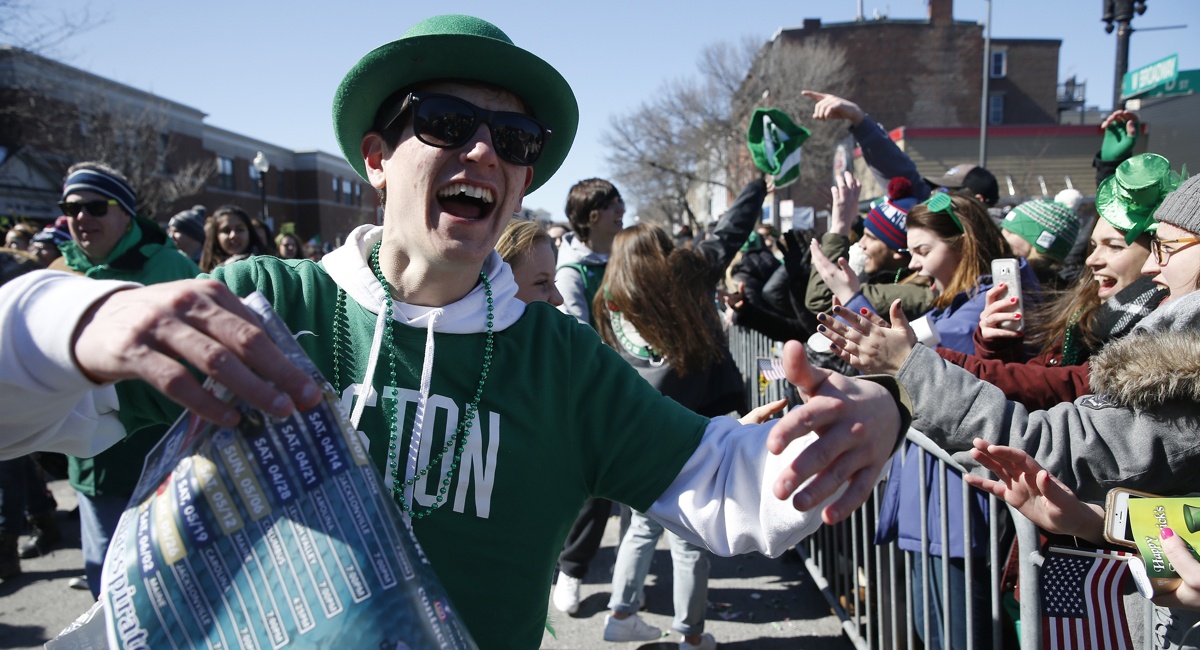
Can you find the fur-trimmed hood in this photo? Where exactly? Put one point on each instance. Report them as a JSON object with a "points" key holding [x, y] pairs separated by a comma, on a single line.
{"points": [[1158, 363]]}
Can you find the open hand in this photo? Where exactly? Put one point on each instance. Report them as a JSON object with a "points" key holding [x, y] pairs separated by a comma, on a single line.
{"points": [[1035, 492], [867, 341], [857, 423], [840, 278], [1128, 118], [145, 333], [844, 205]]}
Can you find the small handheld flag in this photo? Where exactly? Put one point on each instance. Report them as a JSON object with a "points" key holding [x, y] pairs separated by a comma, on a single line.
{"points": [[771, 369]]}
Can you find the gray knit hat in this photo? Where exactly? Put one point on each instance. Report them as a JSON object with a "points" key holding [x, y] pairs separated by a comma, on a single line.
{"points": [[190, 222], [1182, 207]]}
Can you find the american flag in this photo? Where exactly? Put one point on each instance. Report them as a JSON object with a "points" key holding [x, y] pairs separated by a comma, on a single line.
{"points": [[1081, 599], [771, 369]]}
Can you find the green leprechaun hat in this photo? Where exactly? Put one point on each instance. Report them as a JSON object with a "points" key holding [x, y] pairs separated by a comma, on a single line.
{"points": [[455, 47], [1127, 199]]}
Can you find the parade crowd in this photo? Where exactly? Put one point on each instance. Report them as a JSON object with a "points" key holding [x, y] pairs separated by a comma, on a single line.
{"points": [[1052, 344]]}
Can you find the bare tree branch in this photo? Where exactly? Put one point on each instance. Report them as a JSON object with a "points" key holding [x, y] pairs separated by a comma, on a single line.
{"points": [[692, 133]]}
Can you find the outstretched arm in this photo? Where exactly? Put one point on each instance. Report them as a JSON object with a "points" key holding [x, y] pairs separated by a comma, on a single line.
{"points": [[881, 154], [145, 333], [1035, 492], [858, 424], [63, 361]]}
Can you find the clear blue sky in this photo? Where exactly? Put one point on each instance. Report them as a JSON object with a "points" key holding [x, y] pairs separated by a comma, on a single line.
{"points": [[268, 68]]}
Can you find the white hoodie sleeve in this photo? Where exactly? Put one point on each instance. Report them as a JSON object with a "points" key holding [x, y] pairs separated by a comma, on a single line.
{"points": [[570, 286], [722, 498], [48, 403]]}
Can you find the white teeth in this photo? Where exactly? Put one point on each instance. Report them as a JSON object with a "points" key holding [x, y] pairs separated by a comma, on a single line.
{"points": [[481, 193]]}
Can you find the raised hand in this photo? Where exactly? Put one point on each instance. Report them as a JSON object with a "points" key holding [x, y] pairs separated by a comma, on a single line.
{"points": [[844, 206], [1120, 135], [857, 423], [867, 341], [840, 278], [1128, 119], [834, 107], [1035, 492], [144, 333]]}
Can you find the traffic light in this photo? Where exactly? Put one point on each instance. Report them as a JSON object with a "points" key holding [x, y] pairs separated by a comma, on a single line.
{"points": [[1120, 11]]}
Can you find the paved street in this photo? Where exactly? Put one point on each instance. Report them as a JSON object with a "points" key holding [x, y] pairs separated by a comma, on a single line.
{"points": [[755, 603], [36, 606]]}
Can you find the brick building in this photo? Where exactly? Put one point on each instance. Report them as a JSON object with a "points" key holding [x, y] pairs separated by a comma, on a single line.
{"points": [[923, 80], [53, 115], [929, 72]]}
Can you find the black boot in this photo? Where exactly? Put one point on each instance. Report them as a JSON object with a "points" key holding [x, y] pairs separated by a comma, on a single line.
{"points": [[44, 538], [10, 562]]}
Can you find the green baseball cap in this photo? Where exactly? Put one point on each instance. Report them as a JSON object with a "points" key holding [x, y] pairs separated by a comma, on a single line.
{"points": [[455, 47]]}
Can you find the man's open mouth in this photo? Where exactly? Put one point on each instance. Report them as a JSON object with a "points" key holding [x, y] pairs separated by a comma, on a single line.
{"points": [[466, 201]]}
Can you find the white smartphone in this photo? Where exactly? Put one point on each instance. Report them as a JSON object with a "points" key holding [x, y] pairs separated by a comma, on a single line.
{"points": [[1117, 527], [1008, 271]]}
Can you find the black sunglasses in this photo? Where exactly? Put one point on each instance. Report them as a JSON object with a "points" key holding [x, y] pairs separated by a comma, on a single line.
{"points": [[446, 122], [96, 208]]}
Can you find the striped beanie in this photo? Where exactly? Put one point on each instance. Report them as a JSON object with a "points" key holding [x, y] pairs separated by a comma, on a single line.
{"points": [[888, 218], [1051, 228], [101, 181]]}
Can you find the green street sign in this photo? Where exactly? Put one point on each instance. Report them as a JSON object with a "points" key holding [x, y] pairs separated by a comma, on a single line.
{"points": [[1185, 83], [1146, 78]]}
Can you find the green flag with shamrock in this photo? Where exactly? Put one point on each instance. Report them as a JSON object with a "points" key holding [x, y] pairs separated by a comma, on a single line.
{"points": [[774, 141]]}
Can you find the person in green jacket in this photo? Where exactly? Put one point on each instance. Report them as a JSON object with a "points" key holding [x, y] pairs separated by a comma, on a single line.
{"points": [[110, 242]]}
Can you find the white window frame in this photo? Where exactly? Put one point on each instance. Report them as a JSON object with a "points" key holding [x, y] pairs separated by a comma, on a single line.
{"points": [[1002, 56], [996, 108]]}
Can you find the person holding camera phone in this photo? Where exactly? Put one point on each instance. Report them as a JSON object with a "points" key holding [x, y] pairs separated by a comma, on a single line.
{"points": [[952, 241], [1067, 328]]}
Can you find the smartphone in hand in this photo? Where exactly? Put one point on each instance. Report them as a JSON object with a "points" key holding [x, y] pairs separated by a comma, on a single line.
{"points": [[1008, 271]]}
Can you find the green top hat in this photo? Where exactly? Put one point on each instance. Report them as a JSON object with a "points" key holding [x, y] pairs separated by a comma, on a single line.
{"points": [[455, 47], [1127, 199]]}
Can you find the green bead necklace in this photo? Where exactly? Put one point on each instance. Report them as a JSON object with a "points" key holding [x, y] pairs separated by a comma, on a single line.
{"points": [[457, 441]]}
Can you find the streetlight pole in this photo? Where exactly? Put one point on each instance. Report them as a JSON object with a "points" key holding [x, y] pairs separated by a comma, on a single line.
{"points": [[984, 99], [263, 165], [1121, 12]]}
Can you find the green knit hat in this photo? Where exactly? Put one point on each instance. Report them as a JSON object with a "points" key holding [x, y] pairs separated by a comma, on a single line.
{"points": [[774, 141], [1051, 228], [1127, 199], [455, 47]]}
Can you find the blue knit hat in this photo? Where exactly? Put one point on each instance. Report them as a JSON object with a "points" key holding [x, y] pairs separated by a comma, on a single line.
{"points": [[888, 218], [95, 179]]}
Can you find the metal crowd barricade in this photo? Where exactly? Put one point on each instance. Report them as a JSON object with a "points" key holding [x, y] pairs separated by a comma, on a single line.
{"points": [[867, 585]]}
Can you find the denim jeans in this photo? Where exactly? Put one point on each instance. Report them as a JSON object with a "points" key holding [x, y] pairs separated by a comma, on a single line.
{"points": [[22, 491], [98, 517], [981, 604], [689, 574]]}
